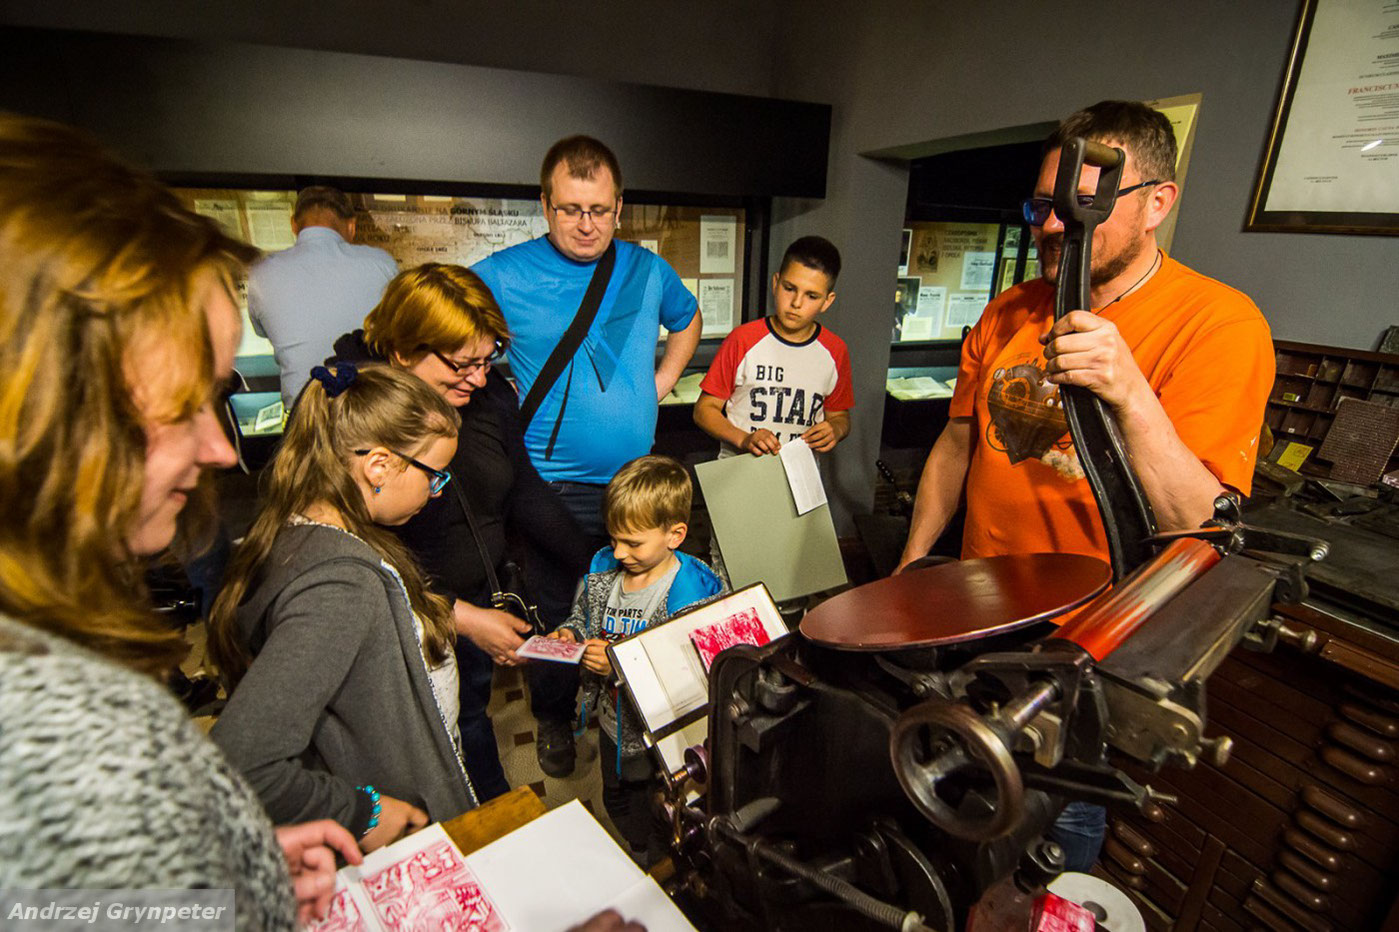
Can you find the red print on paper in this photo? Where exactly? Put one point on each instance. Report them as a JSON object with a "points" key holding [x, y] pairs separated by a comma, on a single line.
{"points": [[430, 891], [542, 648], [343, 915], [740, 628]]}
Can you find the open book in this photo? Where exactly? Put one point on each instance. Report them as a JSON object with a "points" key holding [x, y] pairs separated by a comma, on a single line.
{"points": [[546, 876]]}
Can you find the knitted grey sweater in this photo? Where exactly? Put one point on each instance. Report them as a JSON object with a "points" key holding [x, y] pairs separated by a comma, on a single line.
{"points": [[109, 785]]}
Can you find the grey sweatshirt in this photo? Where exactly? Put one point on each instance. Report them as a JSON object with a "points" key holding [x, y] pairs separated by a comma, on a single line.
{"points": [[338, 693], [112, 787]]}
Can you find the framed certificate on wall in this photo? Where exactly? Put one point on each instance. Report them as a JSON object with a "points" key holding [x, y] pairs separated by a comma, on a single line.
{"points": [[1332, 162]]}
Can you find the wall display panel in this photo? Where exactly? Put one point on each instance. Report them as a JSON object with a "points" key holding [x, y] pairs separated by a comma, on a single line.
{"points": [[705, 245], [951, 272]]}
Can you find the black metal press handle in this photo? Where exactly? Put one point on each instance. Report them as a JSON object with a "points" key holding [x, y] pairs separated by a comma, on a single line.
{"points": [[1128, 520]]}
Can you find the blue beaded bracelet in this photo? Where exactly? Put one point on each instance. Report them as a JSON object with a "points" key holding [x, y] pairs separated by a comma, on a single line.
{"points": [[374, 807]]}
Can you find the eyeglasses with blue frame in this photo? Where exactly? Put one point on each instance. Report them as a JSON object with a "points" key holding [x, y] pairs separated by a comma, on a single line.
{"points": [[1036, 210], [438, 478]]}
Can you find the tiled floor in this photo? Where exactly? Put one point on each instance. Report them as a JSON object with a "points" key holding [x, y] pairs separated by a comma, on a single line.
{"points": [[514, 734]]}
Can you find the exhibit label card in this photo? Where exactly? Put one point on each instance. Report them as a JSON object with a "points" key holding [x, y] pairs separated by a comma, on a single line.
{"points": [[718, 238], [978, 269], [963, 310]]}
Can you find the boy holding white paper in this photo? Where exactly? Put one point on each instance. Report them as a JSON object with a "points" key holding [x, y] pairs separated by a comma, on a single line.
{"points": [[637, 583], [784, 377]]}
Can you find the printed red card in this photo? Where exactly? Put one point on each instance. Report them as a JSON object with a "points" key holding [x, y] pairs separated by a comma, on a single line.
{"points": [[743, 627], [343, 915], [1056, 914], [429, 891], [556, 649]]}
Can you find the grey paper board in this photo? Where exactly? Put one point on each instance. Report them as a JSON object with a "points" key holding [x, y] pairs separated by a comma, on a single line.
{"points": [[762, 537]]}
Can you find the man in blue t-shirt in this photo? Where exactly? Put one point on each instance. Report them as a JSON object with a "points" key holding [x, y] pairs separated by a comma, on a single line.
{"points": [[601, 411]]}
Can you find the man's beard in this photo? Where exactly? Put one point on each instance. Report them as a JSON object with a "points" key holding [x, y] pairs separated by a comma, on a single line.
{"points": [[1104, 269]]}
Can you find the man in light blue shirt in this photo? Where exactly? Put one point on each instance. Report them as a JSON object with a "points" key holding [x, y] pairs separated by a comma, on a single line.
{"points": [[601, 411], [304, 297]]}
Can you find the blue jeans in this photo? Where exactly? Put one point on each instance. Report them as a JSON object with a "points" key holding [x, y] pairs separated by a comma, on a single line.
{"points": [[478, 748], [553, 687], [1079, 830]]}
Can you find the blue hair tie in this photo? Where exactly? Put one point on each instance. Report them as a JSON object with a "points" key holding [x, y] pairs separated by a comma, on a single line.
{"points": [[336, 382]]}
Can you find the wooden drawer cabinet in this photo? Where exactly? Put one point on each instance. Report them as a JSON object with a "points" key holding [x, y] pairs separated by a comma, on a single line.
{"points": [[1300, 829]]}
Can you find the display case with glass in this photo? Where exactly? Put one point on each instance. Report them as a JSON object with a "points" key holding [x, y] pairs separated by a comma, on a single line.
{"points": [[709, 246]]}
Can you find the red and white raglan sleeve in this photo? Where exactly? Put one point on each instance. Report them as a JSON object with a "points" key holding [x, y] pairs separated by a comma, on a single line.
{"points": [[842, 397], [719, 380], [722, 377]]}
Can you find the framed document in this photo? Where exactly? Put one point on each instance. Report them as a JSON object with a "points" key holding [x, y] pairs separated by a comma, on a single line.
{"points": [[1332, 163]]}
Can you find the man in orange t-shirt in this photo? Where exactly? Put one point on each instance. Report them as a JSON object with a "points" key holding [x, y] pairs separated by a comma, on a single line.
{"points": [[1183, 362]]}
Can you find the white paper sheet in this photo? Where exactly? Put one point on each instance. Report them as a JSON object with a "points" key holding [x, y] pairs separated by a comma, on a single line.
{"points": [[978, 268], [917, 328], [653, 245], [963, 310], [716, 302], [224, 213], [269, 226], [802, 475], [562, 868], [932, 302], [718, 237], [916, 388]]}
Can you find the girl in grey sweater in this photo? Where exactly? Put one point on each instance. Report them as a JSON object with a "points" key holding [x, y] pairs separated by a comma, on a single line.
{"points": [[339, 662]]}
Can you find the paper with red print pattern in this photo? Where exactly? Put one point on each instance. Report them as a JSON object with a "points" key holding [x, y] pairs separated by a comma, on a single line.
{"points": [[556, 649], [431, 889], [343, 915], [743, 627]]}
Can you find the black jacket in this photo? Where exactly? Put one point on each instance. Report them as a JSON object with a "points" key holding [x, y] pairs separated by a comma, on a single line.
{"points": [[506, 493]]}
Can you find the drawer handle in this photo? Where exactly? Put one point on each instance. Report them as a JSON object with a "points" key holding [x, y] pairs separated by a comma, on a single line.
{"points": [[1123, 858], [1334, 809], [1309, 847], [1264, 893], [1299, 891], [1134, 842], [1355, 768], [1310, 822], [1382, 725], [1362, 741], [1307, 871]]}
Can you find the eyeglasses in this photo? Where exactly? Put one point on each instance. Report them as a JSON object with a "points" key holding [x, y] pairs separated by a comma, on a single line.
{"points": [[572, 213], [1037, 209], [471, 365], [438, 477]]}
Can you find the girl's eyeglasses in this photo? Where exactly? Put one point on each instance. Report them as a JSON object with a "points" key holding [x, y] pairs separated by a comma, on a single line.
{"points": [[438, 477]]}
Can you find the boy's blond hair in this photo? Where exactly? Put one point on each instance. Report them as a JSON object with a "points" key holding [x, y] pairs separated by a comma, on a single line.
{"points": [[649, 492]]}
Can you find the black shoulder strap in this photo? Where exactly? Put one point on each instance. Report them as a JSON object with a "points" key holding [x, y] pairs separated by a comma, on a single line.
{"points": [[491, 578], [573, 337]]}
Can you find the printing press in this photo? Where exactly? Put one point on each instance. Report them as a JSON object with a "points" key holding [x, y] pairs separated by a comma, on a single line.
{"points": [[907, 751]]}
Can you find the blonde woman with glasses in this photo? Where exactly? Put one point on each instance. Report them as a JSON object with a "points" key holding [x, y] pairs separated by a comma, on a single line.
{"points": [[442, 324]]}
